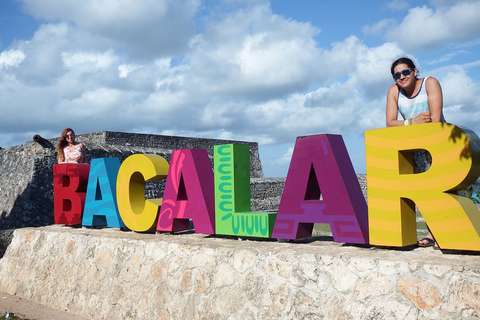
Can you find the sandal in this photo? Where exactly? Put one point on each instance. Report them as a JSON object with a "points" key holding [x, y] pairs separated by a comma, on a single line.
{"points": [[430, 242]]}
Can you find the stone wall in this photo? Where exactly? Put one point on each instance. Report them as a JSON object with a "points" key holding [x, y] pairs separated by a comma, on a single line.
{"points": [[26, 192], [26, 171], [110, 274]]}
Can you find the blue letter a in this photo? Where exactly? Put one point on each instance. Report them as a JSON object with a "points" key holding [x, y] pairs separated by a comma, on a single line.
{"points": [[101, 201]]}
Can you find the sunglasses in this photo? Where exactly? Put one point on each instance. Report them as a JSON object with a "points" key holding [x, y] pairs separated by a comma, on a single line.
{"points": [[405, 73]]}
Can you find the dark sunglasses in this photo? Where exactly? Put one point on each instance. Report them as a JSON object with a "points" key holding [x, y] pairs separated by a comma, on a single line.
{"points": [[405, 73]]}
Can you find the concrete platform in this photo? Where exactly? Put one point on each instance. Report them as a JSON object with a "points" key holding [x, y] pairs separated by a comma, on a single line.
{"points": [[112, 274]]}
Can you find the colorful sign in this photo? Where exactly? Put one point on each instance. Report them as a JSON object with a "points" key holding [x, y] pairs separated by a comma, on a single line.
{"points": [[321, 187]]}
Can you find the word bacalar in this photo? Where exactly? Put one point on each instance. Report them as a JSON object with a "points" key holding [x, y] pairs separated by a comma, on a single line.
{"points": [[321, 187]]}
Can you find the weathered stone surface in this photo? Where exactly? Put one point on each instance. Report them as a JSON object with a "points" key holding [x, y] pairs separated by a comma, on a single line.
{"points": [[108, 273], [372, 285], [423, 294], [465, 296]]}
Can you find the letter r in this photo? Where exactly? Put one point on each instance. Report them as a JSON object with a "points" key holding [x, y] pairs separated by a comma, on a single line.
{"points": [[393, 189]]}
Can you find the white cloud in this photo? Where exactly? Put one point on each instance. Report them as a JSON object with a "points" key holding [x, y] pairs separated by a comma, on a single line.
{"points": [[11, 58], [447, 57], [378, 28], [125, 69], [461, 105], [145, 28], [286, 158], [398, 5], [88, 61], [440, 3], [253, 50], [42, 63], [96, 102], [426, 28]]}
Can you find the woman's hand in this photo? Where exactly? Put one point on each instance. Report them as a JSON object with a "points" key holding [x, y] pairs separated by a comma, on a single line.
{"points": [[423, 117]]}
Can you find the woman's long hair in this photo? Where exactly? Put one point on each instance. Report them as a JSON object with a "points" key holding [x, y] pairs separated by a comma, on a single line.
{"points": [[62, 143]]}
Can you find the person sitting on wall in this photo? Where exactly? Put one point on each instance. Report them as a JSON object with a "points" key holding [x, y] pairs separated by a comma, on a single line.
{"points": [[419, 100], [68, 150]]}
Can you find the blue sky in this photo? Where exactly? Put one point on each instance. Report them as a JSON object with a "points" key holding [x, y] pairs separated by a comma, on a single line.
{"points": [[255, 70]]}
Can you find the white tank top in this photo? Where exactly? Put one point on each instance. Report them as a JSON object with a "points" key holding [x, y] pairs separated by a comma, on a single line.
{"points": [[410, 107]]}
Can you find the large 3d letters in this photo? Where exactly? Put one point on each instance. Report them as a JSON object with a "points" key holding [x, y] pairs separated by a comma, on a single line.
{"points": [[69, 185], [101, 200], [322, 187], [189, 193], [232, 195], [137, 213], [393, 189]]}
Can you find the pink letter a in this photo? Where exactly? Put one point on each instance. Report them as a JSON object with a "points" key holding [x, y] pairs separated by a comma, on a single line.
{"points": [[189, 193], [322, 187]]}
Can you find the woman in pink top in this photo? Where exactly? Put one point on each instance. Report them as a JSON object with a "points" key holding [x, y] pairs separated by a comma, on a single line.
{"points": [[68, 150]]}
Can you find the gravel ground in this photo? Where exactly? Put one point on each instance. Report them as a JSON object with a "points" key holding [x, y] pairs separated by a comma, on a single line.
{"points": [[25, 309]]}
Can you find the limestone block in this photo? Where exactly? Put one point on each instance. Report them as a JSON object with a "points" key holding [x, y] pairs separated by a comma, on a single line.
{"points": [[307, 304], [279, 268], [224, 276], [437, 269], [244, 260], [274, 302], [372, 285], [388, 308], [423, 294], [464, 297], [338, 307], [362, 264], [343, 278]]}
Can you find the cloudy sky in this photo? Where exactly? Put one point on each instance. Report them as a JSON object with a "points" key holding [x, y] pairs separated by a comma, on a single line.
{"points": [[255, 70]]}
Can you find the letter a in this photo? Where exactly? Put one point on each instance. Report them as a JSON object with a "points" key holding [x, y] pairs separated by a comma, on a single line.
{"points": [[322, 187], [189, 193], [101, 200], [394, 190], [69, 184]]}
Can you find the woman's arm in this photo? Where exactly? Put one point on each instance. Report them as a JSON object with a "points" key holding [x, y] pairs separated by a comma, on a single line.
{"points": [[83, 152], [392, 109], [435, 99]]}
